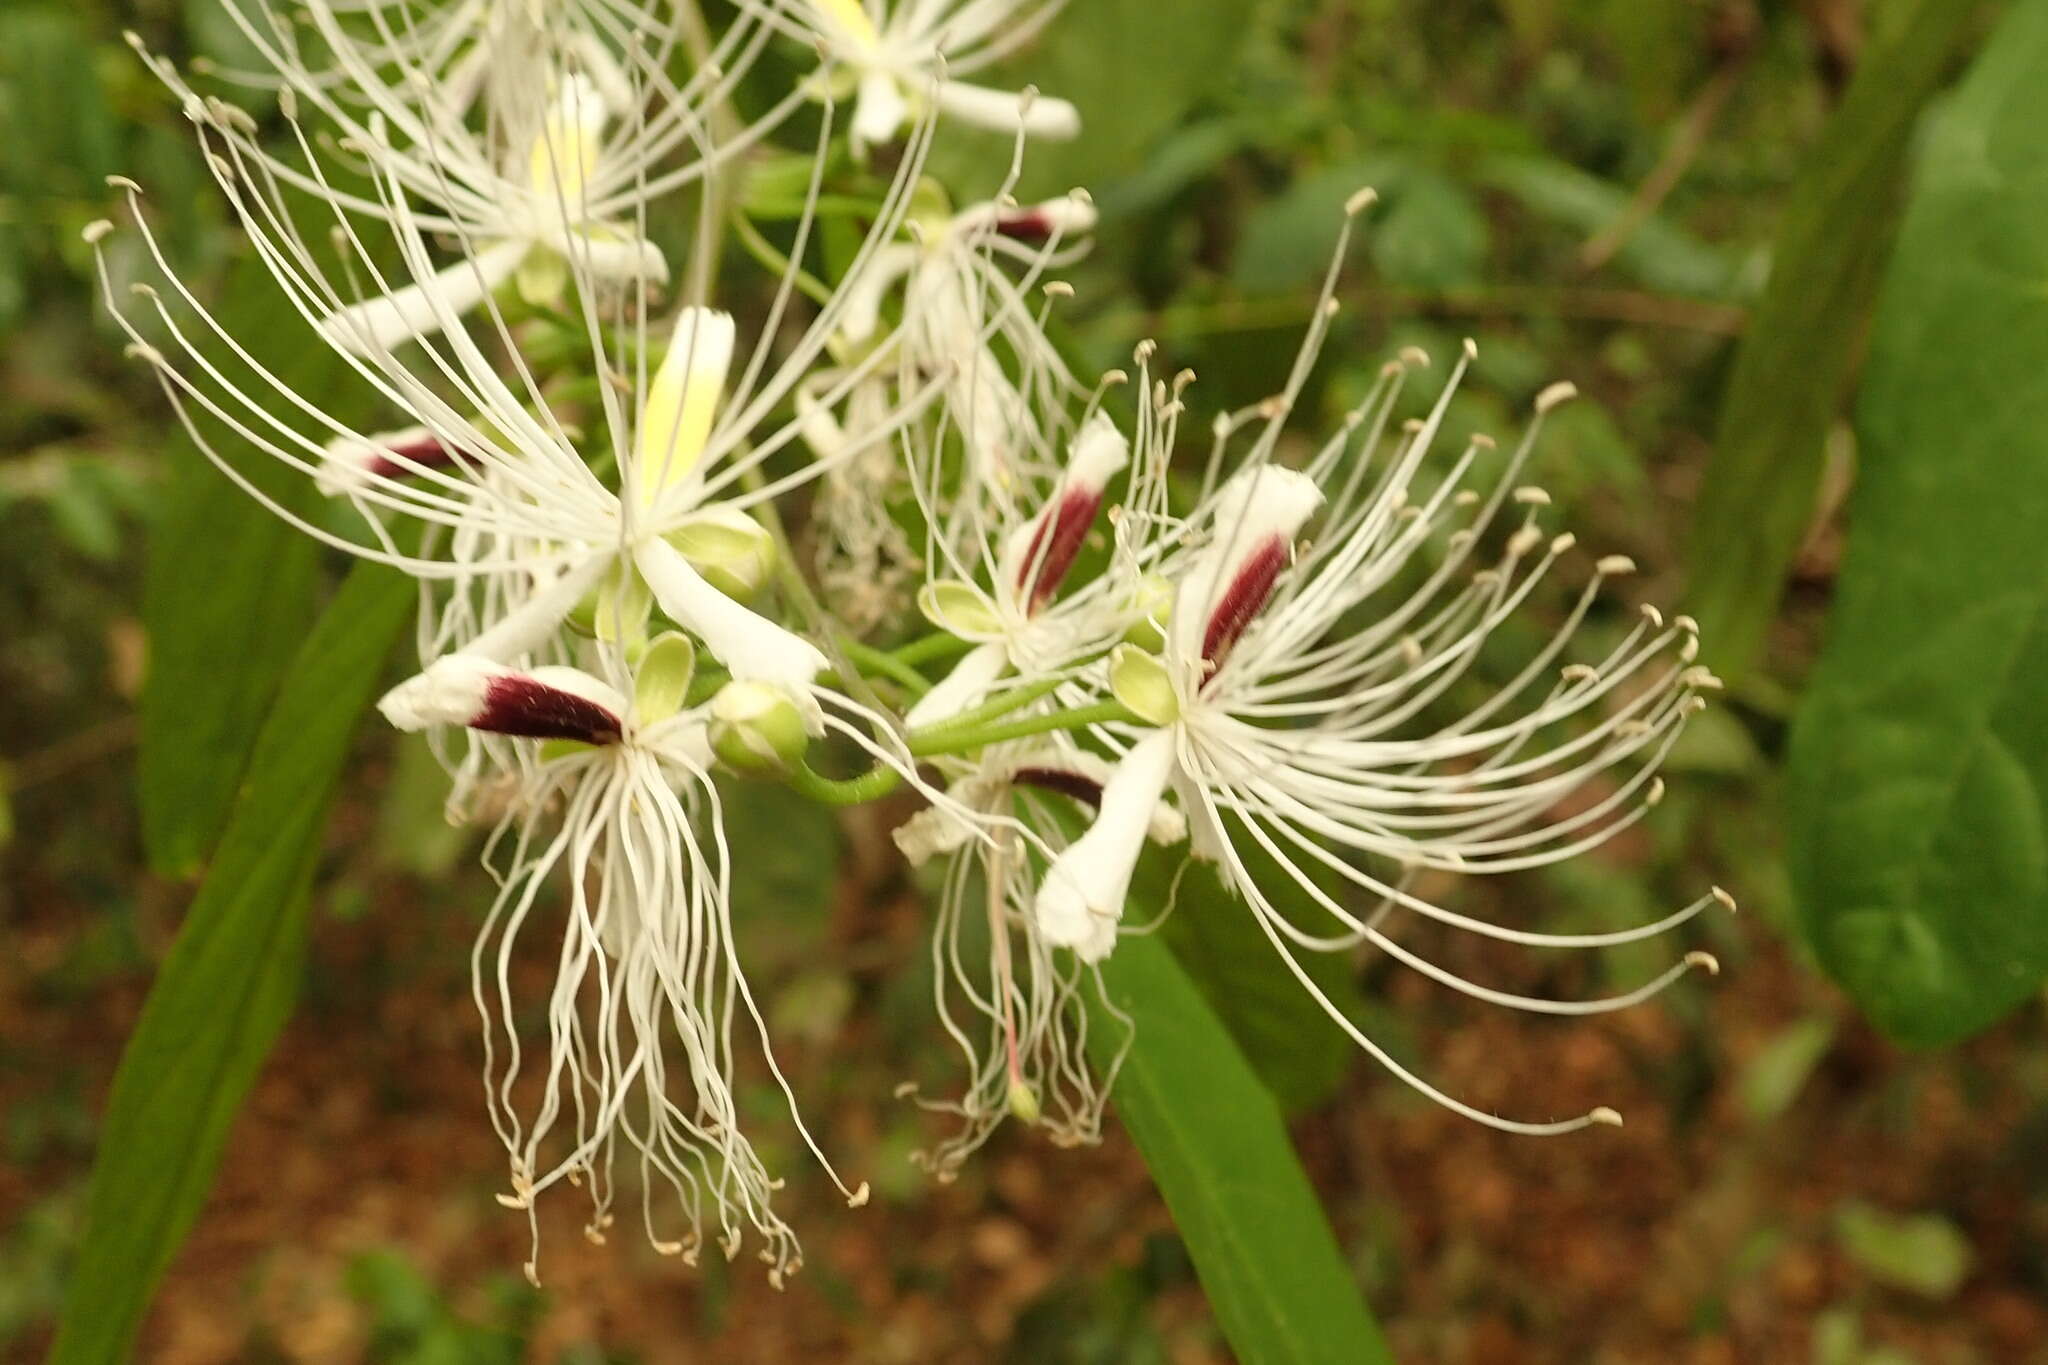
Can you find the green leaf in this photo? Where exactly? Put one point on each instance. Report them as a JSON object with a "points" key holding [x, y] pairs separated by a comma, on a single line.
{"points": [[1662, 256], [1213, 1140], [62, 137], [1918, 843], [1922, 1253], [229, 982], [1296, 1050], [1287, 240], [1804, 338], [1431, 235], [227, 591], [1774, 1077]]}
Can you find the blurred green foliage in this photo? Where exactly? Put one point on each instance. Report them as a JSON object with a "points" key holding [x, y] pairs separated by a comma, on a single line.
{"points": [[1918, 789], [1505, 139]]}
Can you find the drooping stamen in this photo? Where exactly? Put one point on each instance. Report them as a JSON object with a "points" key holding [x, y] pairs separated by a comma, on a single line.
{"points": [[1244, 598]]}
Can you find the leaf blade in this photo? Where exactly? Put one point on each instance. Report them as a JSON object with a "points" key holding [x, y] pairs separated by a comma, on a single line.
{"points": [[226, 588], [1804, 338], [1919, 763], [1214, 1142], [229, 982]]}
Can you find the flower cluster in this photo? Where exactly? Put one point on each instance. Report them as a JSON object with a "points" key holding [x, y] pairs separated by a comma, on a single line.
{"points": [[594, 433]]}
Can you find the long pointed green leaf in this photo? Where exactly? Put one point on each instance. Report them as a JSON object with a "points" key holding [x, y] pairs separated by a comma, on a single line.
{"points": [[228, 589], [1919, 770], [228, 983], [1212, 1137], [1805, 335]]}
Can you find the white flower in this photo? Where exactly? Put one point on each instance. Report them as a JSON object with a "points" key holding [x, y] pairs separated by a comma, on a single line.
{"points": [[911, 51], [640, 1049], [584, 130], [1011, 1004], [1022, 622], [525, 527], [967, 323], [1298, 709]]}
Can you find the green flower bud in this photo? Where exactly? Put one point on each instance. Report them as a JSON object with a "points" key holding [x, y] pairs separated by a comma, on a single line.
{"points": [[1024, 1102], [931, 208], [1153, 601], [1140, 681], [756, 728], [543, 277], [616, 610], [734, 552], [663, 680]]}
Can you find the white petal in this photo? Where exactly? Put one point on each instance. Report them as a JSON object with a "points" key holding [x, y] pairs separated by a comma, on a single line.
{"points": [[609, 254], [754, 648], [965, 686], [1099, 452], [675, 419], [878, 111], [454, 690], [449, 692], [427, 306], [1082, 897], [1252, 509], [527, 627], [1005, 111], [860, 310]]}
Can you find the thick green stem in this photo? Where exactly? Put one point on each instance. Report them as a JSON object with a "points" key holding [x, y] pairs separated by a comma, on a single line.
{"points": [[994, 708], [876, 661], [930, 647], [950, 738], [953, 738], [843, 791]]}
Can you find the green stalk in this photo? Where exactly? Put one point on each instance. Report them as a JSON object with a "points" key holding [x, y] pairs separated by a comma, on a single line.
{"points": [[872, 785], [873, 660], [764, 251], [993, 709], [949, 739], [936, 646]]}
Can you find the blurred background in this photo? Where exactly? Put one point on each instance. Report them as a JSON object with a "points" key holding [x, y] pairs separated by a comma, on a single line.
{"points": [[1590, 188]]}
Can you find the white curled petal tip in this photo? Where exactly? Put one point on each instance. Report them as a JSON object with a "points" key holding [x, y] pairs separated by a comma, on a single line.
{"points": [[450, 691], [1099, 452], [929, 833], [620, 258], [751, 646], [1167, 825], [1063, 914], [1006, 111], [879, 110], [425, 306]]}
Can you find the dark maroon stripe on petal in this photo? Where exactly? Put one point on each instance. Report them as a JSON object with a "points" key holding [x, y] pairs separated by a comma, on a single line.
{"points": [[425, 451], [533, 710], [1243, 600], [1054, 545], [1065, 781], [1025, 225]]}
